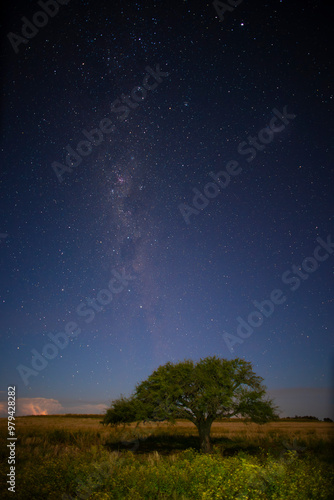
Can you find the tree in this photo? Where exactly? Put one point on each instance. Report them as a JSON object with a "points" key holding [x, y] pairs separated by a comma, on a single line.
{"points": [[200, 392]]}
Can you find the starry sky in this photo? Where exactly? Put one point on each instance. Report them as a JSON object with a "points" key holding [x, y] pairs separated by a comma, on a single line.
{"points": [[166, 194]]}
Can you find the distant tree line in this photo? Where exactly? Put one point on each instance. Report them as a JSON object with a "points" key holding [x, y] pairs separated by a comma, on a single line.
{"points": [[307, 417]]}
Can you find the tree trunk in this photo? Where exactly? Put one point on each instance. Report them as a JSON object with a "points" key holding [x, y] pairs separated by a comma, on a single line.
{"points": [[204, 427]]}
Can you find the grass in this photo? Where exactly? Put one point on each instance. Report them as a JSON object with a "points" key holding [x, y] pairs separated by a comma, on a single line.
{"points": [[65, 457]]}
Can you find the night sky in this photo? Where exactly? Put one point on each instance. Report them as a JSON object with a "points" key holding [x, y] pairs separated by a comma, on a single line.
{"points": [[166, 194]]}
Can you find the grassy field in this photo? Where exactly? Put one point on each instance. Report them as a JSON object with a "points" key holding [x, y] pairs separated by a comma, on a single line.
{"points": [[65, 457]]}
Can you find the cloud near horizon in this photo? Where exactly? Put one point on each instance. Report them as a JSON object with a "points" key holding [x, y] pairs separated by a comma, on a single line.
{"points": [[45, 406]]}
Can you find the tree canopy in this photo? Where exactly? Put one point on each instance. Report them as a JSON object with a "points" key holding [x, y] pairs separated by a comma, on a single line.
{"points": [[200, 392]]}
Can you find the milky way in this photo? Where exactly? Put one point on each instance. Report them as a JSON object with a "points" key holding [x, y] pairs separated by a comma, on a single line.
{"points": [[154, 101]]}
